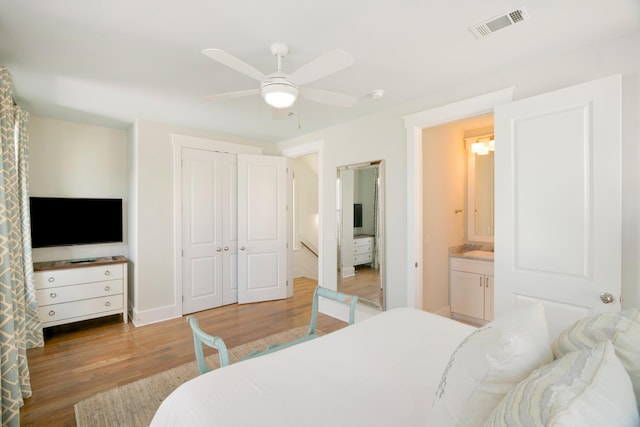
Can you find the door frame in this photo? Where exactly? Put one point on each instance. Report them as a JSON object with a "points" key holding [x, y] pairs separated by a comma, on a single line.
{"points": [[415, 124], [315, 147], [184, 141]]}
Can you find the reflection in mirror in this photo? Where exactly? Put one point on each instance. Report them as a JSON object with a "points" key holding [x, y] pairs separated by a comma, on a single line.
{"points": [[480, 185], [360, 207]]}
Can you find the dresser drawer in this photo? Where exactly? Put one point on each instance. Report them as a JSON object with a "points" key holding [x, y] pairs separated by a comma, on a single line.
{"points": [[62, 294], [74, 309], [362, 258], [362, 249], [362, 241], [74, 276]]}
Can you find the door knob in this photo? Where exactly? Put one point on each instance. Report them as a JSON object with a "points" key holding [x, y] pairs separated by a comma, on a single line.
{"points": [[606, 297], [242, 248], [226, 248], [218, 249]]}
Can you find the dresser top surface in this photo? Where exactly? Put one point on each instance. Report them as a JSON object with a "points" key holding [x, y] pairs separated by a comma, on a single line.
{"points": [[79, 263]]}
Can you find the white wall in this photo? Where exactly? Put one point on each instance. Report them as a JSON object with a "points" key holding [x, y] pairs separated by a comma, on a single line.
{"points": [[382, 136], [76, 160]]}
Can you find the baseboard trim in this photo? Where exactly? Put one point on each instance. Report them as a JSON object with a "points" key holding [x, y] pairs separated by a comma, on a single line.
{"points": [[444, 311], [148, 317]]}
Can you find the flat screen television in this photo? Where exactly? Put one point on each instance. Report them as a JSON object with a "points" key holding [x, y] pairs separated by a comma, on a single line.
{"points": [[64, 221], [357, 214]]}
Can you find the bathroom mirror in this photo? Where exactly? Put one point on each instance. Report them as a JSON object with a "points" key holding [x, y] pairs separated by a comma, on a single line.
{"points": [[360, 215], [480, 195]]}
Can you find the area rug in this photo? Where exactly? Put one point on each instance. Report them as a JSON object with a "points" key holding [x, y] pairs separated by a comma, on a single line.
{"points": [[135, 404]]}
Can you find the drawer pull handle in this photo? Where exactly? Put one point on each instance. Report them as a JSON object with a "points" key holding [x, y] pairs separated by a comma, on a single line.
{"points": [[53, 295], [51, 279], [107, 304], [107, 288], [52, 313], [107, 272]]}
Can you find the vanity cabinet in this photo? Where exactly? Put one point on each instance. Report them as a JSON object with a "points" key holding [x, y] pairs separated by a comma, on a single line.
{"points": [[471, 290], [362, 250], [68, 291]]}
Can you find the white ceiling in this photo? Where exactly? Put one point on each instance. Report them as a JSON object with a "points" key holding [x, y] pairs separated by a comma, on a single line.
{"points": [[110, 62]]}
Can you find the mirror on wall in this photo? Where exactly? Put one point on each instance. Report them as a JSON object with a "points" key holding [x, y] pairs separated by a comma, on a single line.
{"points": [[360, 215], [480, 189]]}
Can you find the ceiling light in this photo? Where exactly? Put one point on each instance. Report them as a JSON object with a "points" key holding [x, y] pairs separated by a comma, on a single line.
{"points": [[279, 93], [377, 94]]}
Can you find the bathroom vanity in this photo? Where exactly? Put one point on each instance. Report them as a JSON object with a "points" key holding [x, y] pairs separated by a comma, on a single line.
{"points": [[471, 284]]}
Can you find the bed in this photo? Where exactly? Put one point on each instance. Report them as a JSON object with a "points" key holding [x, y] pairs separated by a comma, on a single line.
{"points": [[403, 367]]}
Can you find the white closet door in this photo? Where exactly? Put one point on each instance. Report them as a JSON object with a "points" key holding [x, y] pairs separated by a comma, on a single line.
{"points": [[558, 202], [202, 234], [230, 228], [262, 223]]}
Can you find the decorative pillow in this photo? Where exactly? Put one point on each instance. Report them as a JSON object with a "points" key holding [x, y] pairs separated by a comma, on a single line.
{"points": [[583, 388], [487, 364], [621, 328]]}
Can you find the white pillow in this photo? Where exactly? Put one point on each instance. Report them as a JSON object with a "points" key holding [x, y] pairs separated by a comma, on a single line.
{"points": [[622, 328], [487, 364], [583, 388]]}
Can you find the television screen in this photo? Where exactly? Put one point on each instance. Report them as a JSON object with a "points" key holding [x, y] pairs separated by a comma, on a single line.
{"points": [[61, 221], [357, 214]]}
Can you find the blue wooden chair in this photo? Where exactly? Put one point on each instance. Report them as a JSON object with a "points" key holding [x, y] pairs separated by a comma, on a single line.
{"points": [[350, 300], [201, 338]]}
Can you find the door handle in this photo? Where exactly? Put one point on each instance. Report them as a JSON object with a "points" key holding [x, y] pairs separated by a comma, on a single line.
{"points": [[226, 248], [218, 249], [606, 298], [242, 248]]}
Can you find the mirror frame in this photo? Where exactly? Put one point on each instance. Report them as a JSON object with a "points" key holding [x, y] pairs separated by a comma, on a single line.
{"points": [[471, 199], [380, 237]]}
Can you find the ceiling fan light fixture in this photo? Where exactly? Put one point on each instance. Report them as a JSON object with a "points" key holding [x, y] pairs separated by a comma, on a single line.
{"points": [[279, 94]]}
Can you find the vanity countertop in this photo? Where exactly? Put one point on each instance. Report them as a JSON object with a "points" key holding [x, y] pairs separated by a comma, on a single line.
{"points": [[472, 251]]}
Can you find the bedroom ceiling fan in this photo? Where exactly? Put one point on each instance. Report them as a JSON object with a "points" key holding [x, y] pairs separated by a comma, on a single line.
{"points": [[279, 89]]}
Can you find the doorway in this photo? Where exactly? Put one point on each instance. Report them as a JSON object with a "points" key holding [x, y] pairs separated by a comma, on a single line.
{"points": [[311, 153], [305, 216], [445, 208], [415, 125]]}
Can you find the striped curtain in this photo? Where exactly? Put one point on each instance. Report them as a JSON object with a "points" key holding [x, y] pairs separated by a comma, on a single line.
{"points": [[20, 326]]}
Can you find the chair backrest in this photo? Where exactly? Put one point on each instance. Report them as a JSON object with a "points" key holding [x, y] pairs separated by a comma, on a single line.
{"points": [[350, 300], [201, 338]]}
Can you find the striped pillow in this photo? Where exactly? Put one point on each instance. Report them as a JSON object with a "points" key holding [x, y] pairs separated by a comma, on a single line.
{"points": [[621, 328], [583, 388]]}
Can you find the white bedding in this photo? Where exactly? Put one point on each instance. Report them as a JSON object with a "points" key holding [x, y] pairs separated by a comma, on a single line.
{"points": [[382, 371]]}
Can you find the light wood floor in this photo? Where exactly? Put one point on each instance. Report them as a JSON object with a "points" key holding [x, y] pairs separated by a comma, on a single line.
{"points": [[86, 358], [365, 283]]}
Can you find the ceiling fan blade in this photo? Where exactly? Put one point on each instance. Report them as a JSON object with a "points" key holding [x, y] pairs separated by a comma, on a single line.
{"points": [[327, 97], [327, 64], [231, 95], [234, 63]]}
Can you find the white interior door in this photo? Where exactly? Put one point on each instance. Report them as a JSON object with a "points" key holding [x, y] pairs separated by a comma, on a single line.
{"points": [[558, 202], [202, 240], [262, 228], [229, 229]]}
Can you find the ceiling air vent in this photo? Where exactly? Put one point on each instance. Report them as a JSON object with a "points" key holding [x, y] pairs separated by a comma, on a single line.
{"points": [[499, 22]]}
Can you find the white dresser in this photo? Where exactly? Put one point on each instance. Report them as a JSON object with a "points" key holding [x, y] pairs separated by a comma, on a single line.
{"points": [[362, 249], [69, 291]]}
